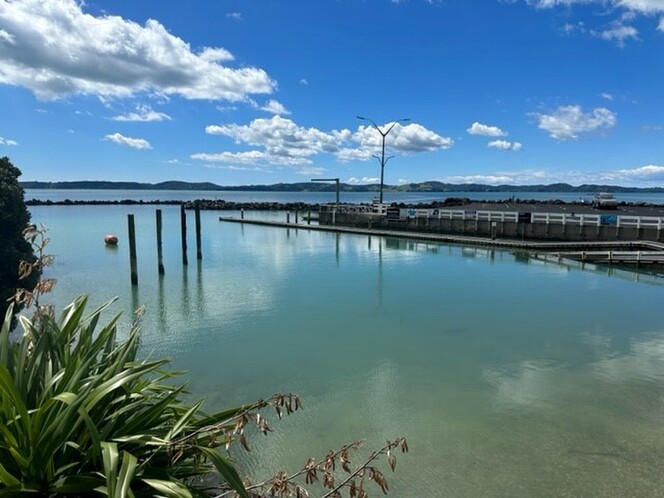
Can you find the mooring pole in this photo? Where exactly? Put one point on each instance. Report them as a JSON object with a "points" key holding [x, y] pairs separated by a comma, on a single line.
{"points": [[287, 217], [183, 226], [197, 212], [160, 254], [296, 216], [132, 249], [309, 218]]}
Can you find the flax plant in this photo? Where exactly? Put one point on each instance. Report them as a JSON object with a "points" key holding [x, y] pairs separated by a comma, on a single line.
{"points": [[81, 415]]}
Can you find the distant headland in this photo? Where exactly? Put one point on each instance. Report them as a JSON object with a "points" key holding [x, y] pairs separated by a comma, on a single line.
{"points": [[429, 186]]}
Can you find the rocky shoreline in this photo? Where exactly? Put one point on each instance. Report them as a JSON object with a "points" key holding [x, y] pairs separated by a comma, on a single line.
{"points": [[221, 205]]}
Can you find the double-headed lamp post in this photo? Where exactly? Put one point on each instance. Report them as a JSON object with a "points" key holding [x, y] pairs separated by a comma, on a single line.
{"points": [[382, 159]]}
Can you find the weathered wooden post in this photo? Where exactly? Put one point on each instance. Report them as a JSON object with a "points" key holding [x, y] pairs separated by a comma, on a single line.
{"points": [[287, 217], [160, 254], [132, 249], [296, 213], [183, 226], [242, 213], [197, 213], [309, 221]]}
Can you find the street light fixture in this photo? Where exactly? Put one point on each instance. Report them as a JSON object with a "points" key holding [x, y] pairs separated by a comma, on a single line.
{"points": [[382, 159]]}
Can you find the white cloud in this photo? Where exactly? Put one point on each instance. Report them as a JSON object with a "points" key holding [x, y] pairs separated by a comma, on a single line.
{"points": [[234, 15], [606, 96], [282, 141], [311, 171], [567, 122], [660, 26], [134, 143], [304, 82], [643, 174], [505, 145], [485, 130], [525, 177], [7, 142], [274, 107], [412, 138], [636, 6], [616, 30], [173, 161], [618, 33], [55, 49], [364, 179], [143, 113]]}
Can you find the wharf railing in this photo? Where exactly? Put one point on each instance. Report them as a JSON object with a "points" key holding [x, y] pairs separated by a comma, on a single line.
{"points": [[536, 217]]}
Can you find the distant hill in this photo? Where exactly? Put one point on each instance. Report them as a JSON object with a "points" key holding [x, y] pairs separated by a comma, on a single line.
{"points": [[430, 186]]}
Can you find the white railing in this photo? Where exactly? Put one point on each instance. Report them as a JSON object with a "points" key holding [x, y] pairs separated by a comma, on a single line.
{"points": [[534, 217]]}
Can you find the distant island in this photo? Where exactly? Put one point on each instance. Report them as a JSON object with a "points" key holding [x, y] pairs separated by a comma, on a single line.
{"points": [[430, 186]]}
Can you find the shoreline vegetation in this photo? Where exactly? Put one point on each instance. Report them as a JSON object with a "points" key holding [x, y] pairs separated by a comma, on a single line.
{"points": [[428, 186], [221, 205]]}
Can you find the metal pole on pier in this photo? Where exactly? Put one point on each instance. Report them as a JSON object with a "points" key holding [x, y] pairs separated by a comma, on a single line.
{"points": [[132, 249], [183, 226], [160, 254], [197, 211]]}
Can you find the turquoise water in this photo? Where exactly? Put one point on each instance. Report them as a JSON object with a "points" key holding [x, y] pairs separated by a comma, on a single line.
{"points": [[509, 377]]}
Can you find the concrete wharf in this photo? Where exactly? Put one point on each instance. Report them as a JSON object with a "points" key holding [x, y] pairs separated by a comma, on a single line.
{"points": [[618, 252]]}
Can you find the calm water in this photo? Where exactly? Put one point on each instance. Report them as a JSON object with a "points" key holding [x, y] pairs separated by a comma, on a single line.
{"points": [[509, 377], [318, 197]]}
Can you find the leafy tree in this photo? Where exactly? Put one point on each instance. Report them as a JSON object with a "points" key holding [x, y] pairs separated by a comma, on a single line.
{"points": [[14, 218]]}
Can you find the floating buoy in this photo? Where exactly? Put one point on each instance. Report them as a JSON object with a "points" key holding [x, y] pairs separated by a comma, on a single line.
{"points": [[111, 240]]}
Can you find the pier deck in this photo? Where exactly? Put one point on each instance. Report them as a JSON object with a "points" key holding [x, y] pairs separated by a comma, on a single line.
{"points": [[617, 252]]}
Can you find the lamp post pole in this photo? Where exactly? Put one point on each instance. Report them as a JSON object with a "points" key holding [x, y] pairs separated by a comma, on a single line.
{"points": [[382, 159]]}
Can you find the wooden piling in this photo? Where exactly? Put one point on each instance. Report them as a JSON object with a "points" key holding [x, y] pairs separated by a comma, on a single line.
{"points": [[160, 254], [309, 220], [287, 217], [197, 213], [132, 249], [183, 226], [296, 216]]}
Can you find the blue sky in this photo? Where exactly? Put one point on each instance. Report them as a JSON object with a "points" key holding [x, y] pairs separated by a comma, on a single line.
{"points": [[259, 92]]}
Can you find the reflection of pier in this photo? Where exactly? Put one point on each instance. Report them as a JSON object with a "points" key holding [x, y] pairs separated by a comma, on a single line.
{"points": [[639, 253]]}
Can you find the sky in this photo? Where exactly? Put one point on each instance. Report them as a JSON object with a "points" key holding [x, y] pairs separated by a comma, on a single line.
{"points": [[241, 92]]}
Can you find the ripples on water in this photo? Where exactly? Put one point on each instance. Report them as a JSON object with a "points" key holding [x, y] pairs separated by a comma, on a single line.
{"points": [[509, 377]]}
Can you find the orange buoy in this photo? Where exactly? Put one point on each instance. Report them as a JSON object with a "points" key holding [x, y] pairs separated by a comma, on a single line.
{"points": [[111, 240]]}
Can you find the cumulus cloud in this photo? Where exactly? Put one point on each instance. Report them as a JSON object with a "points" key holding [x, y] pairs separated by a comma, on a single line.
{"points": [[55, 49], [234, 15], [134, 143], [485, 130], [635, 6], [618, 33], [567, 122], [281, 141], [505, 145], [311, 170], [607, 96], [617, 30], [272, 106], [409, 139], [660, 26], [143, 113], [640, 175], [7, 142], [365, 179]]}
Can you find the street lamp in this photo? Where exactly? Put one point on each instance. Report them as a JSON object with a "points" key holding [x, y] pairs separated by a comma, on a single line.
{"points": [[382, 159]]}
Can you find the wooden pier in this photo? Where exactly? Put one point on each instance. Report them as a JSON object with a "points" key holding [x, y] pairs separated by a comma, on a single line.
{"points": [[640, 252]]}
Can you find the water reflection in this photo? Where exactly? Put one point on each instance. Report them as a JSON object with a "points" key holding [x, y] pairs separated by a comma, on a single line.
{"points": [[508, 379]]}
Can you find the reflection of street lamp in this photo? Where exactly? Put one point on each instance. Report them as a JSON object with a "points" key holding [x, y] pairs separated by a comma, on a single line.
{"points": [[382, 159]]}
